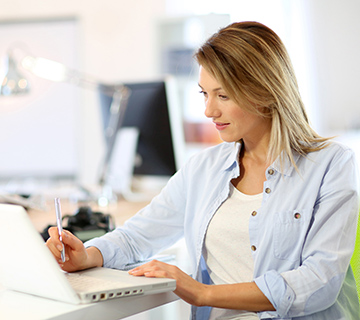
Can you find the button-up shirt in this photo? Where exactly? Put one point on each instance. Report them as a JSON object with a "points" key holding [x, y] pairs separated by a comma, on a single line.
{"points": [[302, 237]]}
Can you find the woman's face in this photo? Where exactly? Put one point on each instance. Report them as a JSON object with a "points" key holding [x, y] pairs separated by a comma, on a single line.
{"points": [[230, 119]]}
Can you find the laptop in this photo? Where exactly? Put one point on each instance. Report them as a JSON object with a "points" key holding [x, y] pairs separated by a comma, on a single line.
{"points": [[28, 266]]}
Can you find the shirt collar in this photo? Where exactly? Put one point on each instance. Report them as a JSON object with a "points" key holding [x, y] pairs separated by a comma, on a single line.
{"points": [[286, 168], [233, 157]]}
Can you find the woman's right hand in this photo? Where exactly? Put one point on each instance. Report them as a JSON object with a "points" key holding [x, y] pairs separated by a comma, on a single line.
{"points": [[77, 257]]}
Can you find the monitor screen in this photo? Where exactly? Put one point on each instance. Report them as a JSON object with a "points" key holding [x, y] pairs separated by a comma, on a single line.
{"points": [[153, 109]]}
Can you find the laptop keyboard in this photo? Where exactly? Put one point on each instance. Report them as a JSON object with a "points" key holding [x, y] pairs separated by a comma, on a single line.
{"points": [[85, 283]]}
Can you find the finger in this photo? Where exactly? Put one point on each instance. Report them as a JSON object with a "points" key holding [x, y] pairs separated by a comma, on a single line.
{"points": [[53, 249], [54, 235], [153, 269], [144, 272], [72, 241], [157, 274], [54, 243], [140, 269]]}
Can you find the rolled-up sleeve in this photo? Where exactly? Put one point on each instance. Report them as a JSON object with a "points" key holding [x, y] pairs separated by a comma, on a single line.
{"points": [[152, 229]]}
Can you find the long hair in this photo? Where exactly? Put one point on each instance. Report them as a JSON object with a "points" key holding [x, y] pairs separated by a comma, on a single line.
{"points": [[252, 65]]}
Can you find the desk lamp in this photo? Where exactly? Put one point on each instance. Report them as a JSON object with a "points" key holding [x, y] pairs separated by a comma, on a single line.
{"points": [[13, 84]]}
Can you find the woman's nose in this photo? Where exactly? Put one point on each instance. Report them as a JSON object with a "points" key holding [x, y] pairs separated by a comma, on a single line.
{"points": [[211, 109]]}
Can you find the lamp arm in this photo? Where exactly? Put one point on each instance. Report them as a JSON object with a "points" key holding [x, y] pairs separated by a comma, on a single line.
{"points": [[117, 113]]}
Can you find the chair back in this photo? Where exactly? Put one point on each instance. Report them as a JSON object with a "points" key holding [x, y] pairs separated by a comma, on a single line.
{"points": [[355, 260]]}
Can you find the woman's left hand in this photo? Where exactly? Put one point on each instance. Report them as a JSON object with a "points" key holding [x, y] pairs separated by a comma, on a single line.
{"points": [[187, 288]]}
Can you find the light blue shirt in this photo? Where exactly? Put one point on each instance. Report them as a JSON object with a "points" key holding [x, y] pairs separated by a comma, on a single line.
{"points": [[302, 237]]}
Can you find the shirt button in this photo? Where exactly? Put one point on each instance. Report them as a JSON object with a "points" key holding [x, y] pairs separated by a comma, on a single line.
{"points": [[297, 215], [254, 213], [267, 190], [271, 172], [253, 248]]}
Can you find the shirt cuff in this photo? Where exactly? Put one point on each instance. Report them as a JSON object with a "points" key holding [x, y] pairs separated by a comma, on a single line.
{"points": [[111, 257], [275, 288]]}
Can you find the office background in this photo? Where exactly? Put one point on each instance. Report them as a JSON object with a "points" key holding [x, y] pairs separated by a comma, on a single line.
{"points": [[116, 41]]}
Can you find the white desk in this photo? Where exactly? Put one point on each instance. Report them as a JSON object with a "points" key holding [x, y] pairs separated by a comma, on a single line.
{"points": [[15, 305]]}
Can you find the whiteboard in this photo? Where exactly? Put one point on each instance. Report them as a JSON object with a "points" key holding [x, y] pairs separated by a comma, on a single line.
{"points": [[39, 131]]}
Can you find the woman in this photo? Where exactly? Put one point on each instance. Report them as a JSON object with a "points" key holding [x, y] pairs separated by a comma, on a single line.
{"points": [[268, 216]]}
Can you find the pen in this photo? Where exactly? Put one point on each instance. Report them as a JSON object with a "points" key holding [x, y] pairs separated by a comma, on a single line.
{"points": [[59, 225]]}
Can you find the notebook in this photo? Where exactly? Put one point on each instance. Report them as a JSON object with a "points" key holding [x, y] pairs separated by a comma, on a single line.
{"points": [[28, 266]]}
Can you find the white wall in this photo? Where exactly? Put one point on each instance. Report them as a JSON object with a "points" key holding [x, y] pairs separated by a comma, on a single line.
{"points": [[333, 41], [117, 36]]}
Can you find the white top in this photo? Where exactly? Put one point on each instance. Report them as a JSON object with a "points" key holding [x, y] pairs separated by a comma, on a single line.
{"points": [[227, 246]]}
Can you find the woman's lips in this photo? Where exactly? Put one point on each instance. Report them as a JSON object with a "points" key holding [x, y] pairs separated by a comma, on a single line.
{"points": [[221, 125]]}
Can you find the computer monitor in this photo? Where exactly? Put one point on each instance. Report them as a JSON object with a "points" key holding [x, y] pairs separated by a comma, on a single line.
{"points": [[153, 108]]}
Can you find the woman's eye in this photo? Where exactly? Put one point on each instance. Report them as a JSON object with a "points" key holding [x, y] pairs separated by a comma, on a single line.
{"points": [[220, 96]]}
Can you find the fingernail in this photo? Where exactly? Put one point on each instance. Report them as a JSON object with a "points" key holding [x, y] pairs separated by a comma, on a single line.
{"points": [[135, 271], [59, 247]]}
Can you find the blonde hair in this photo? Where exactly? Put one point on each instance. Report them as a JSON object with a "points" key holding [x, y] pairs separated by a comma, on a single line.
{"points": [[251, 63]]}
